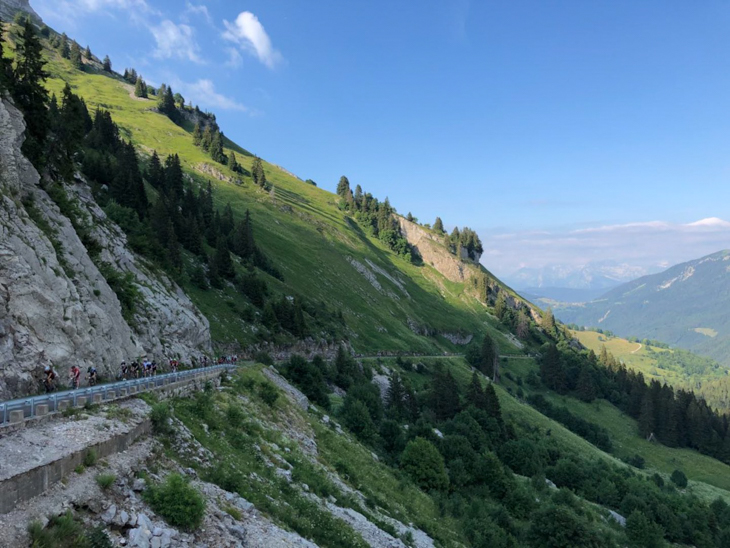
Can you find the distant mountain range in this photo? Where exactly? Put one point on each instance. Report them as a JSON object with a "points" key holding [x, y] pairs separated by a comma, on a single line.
{"points": [[573, 284], [687, 305]]}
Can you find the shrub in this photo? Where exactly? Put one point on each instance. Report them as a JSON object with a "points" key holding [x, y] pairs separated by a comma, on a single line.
{"points": [[643, 532], [263, 357], [105, 481], [679, 479], [268, 393], [424, 464], [356, 417], [90, 458], [180, 504], [160, 417]]}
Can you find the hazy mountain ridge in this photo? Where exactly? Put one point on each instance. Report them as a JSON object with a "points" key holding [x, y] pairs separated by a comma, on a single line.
{"points": [[686, 305]]}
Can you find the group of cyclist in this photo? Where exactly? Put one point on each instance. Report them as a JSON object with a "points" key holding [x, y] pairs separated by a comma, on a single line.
{"points": [[133, 370]]}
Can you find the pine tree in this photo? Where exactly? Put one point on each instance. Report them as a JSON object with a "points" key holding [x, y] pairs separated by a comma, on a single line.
{"points": [[492, 403], [487, 356], [173, 177], [207, 138], [107, 64], [500, 306], [155, 172], [343, 186], [87, 53], [232, 162], [585, 388], [647, 419], [227, 222], [395, 397], [222, 259], [197, 134], [523, 325], [140, 88], [6, 66], [269, 319], [65, 51], [438, 225], [29, 91], [257, 172], [166, 103], [549, 322], [216, 148], [243, 242], [475, 393]]}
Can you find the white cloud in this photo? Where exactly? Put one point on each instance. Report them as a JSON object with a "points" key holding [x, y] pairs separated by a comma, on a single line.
{"points": [[234, 58], [710, 222], [203, 93], [641, 244], [249, 34], [175, 41], [193, 10], [67, 12]]}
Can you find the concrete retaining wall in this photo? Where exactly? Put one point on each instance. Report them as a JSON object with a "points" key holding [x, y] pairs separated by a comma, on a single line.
{"points": [[36, 481]]}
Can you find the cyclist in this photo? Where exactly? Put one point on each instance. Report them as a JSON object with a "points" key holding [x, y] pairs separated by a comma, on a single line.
{"points": [[49, 378], [75, 376], [91, 375]]}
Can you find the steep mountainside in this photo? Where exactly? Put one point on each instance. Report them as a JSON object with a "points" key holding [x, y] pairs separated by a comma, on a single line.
{"points": [[685, 305], [57, 306]]}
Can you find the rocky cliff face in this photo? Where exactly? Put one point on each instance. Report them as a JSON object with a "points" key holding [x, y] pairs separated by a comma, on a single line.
{"points": [[434, 253], [55, 305], [8, 9]]}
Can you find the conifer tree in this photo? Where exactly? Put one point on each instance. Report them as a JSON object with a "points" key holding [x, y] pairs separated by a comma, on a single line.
{"points": [[207, 138], [395, 398], [216, 148], [585, 388], [257, 172], [410, 217], [29, 91], [549, 322], [343, 186], [500, 306], [65, 51], [523, 325], [438, 225], [475, 393], [197, 134], [222, 259], [243, 242], [107, 64], [87, 53], [5, 64], [140, 88], [233, 162], [155, 172], [492, 406]]}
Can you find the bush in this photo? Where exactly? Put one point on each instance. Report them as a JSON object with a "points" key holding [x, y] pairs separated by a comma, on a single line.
{"points": [[105, 481], [356, 417], [160, 417], [643, 532], [90, 458], [180, 504], [425, 465], [679, 479], [268, 393], [263, 357]]}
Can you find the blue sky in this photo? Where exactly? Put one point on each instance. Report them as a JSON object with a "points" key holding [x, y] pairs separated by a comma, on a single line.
{"points": [[528, 121]]}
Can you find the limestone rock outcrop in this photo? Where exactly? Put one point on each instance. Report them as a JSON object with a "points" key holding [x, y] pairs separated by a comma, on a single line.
{"points": [[433, 252], [8, 9], [55, 305]]}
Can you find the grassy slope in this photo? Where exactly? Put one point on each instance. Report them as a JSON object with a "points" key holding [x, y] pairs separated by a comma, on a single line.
{"points": [[709, 477], [302, 229], [310, 240]]}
